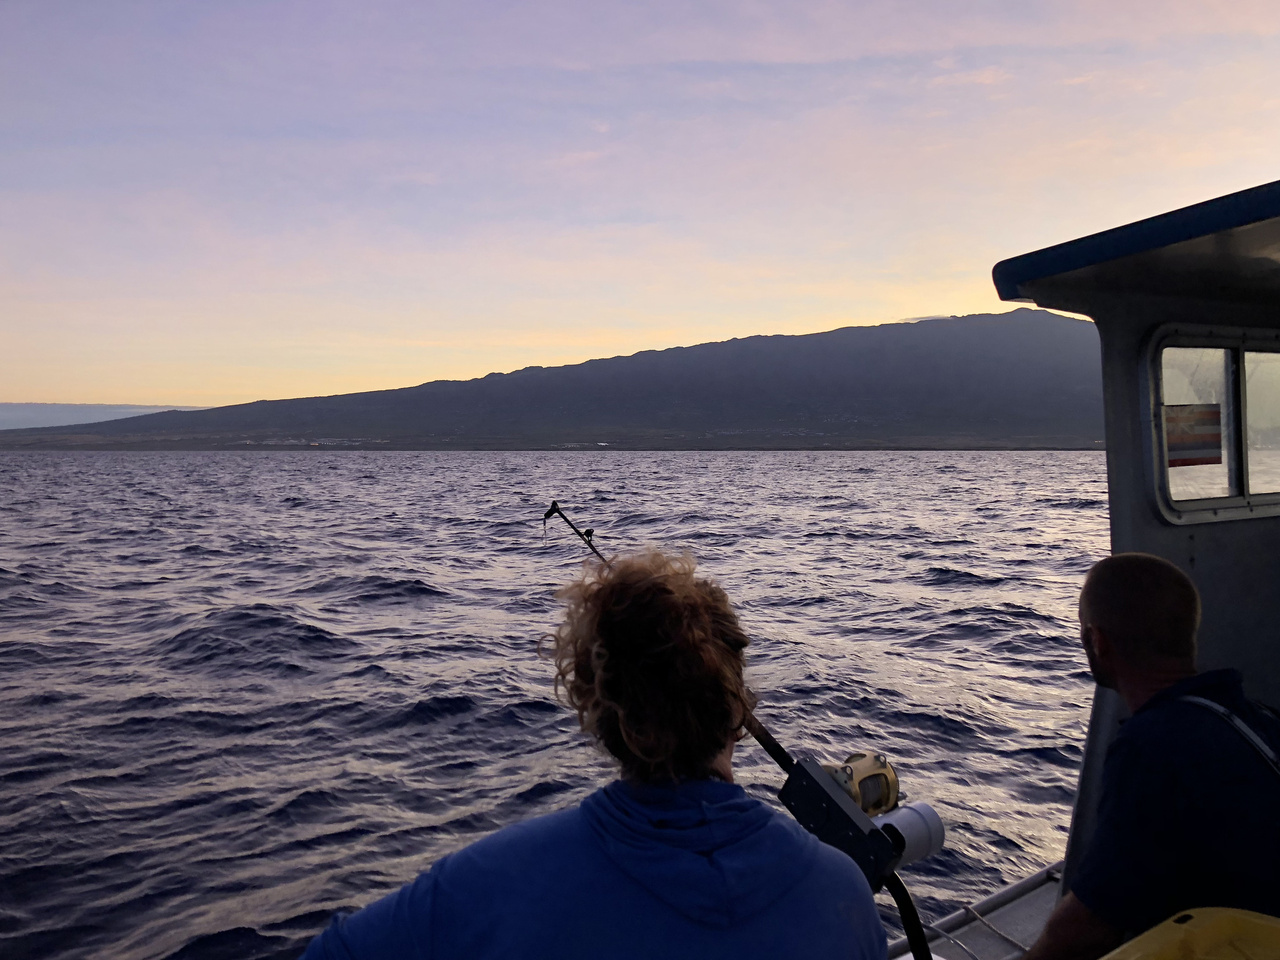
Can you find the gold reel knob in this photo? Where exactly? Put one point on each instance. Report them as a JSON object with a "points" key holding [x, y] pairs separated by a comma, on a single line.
{"points": [[869, 779]]}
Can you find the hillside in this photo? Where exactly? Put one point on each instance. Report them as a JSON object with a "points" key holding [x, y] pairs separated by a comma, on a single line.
{"points": [[1023, 379], [15, 416]]}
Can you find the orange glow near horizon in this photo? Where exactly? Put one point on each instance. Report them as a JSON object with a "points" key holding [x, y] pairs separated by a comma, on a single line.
{"points": [[192, 213]]}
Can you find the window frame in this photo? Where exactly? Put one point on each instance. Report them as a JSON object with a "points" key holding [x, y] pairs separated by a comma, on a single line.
{"points": [[1237, 341]]}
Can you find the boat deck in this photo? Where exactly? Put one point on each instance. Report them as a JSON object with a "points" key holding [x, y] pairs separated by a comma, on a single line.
{"points": [[1001, 927]]}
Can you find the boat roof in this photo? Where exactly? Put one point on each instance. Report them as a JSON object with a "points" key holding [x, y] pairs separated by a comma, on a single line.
{"points": [[1226, 249]]}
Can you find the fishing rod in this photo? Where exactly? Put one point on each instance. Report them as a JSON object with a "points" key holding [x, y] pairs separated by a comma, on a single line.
{"points": [[554, 510], [828, 802]]}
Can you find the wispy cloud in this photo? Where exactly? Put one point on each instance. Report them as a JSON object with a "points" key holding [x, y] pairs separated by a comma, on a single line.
{"points": [[984, 77], [265, 199]]}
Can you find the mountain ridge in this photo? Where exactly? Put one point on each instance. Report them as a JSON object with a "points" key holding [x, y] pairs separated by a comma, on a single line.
{"points": [[1023, 379]]}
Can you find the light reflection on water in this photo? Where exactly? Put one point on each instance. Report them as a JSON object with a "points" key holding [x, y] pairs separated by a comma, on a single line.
{"points": [[241, 691]]}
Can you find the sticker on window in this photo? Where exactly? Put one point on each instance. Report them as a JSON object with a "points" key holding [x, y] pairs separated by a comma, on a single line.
{"points": [[1193, 433], [1199, 419]]}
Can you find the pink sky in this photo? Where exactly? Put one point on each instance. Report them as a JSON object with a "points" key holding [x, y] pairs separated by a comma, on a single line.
{"points": [[209, 203]]}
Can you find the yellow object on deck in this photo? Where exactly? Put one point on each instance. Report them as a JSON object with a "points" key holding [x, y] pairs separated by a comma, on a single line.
{"points": [[1210, 933]]}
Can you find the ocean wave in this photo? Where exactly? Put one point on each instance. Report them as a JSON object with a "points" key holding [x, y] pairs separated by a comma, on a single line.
{"points": [[12, 578], [542, 790], [21, 605], [1065, 755], [374, 588], [434, 709], [1072, 503], [309, 806], [251, 638], [1007, 613], [951, 577], [238, 943], [243, 691]]}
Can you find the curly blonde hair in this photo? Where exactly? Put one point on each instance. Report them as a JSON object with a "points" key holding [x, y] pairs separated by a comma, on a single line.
{"points": [[651, 658]]}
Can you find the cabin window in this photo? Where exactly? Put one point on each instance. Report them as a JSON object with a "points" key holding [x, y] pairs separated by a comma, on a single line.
{"points": [[1215, 422], [1262, 419], [1198, 418]]}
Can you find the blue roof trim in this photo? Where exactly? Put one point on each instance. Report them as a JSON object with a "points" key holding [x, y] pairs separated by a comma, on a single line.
{"points": [[1199, 220]]}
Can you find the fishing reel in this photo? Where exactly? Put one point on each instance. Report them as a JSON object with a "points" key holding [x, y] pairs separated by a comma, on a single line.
{"points": [[854, 807], [869, 779]]}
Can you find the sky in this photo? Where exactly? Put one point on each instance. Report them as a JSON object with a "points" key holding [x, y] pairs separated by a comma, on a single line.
{"points": [[214, 202]]}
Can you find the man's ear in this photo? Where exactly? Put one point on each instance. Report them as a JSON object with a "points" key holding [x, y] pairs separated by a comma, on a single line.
{"points": [[1093, 636], [1103, 648]]}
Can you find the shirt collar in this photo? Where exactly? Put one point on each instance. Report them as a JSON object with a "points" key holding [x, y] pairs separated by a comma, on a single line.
{"points": [[1223, 682]]}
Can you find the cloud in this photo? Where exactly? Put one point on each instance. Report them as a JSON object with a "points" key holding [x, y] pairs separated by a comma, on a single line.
{"points": [[239, 197], [985, 77]]}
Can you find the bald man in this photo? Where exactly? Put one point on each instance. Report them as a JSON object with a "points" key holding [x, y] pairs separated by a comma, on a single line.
{"points": [[1190, 809]]}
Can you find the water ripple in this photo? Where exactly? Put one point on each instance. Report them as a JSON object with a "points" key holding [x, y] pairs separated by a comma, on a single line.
{"points": [[240, 691]]}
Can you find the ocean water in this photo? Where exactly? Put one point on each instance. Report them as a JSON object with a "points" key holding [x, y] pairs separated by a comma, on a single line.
{"points": [[241, 691]]}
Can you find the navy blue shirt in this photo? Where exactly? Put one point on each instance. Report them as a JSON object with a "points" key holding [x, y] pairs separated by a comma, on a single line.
{"points": [[1190, 811]]}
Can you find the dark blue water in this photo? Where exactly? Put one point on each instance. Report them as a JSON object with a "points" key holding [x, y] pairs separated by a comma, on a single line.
{"points": [[239, 692]]}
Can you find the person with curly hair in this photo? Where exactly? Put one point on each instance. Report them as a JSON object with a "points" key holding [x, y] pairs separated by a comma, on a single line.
{"points": [[672, 859]]}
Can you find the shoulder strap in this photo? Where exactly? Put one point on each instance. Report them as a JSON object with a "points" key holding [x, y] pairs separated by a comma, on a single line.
{"points": [[1243, 728]]}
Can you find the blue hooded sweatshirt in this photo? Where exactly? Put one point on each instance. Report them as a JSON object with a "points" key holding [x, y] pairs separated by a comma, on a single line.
{"points": [[697, 869]]}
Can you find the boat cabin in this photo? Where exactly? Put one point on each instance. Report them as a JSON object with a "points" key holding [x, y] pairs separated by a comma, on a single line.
{"points": [[1187, 307]]}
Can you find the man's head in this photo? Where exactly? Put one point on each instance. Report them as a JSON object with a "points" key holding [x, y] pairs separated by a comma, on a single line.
{"points": [[1138, 613], [651, 658]]}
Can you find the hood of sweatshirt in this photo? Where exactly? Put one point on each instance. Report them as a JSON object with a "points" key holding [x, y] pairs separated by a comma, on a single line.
{"points": [[701, 846]]}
